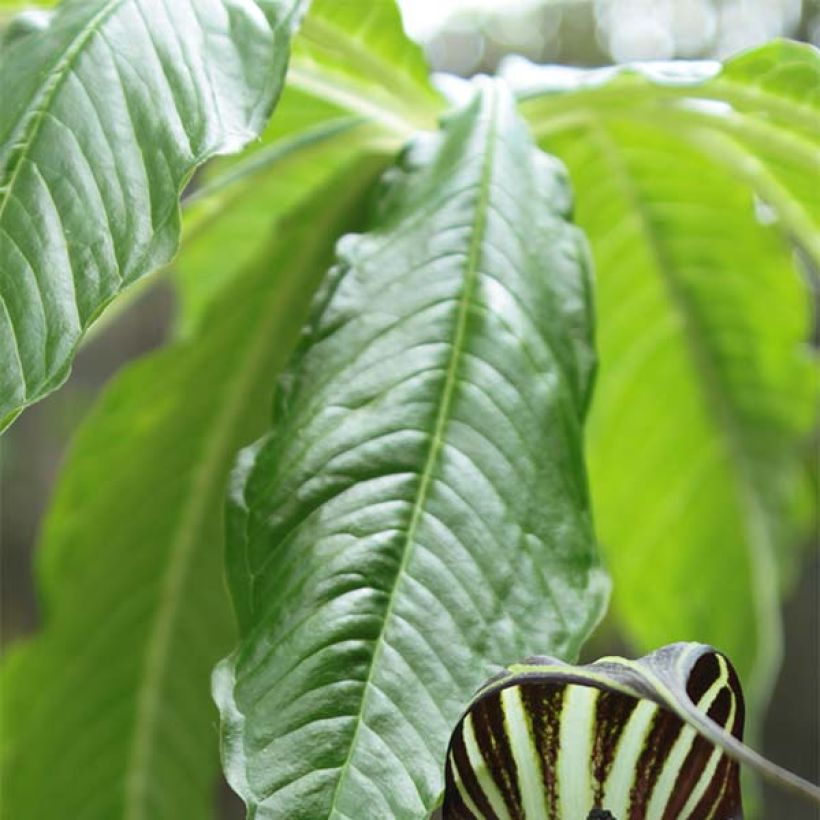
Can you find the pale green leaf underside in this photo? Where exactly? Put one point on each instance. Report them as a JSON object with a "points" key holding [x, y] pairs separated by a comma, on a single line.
{"points": [[131, 565], [103, 117], [702, 315], [383, 556], [758, 115], [356, 55]]}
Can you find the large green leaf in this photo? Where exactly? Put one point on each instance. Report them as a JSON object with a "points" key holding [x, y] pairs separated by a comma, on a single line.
{"points": [[706, 385], [104, 114], [420, 511], [759, 115], [107, 713]]}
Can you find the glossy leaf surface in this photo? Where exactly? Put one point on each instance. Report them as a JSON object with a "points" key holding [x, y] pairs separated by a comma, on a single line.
{"points": [[104, 115], [383, 556], [112, 698], [355, 84]]}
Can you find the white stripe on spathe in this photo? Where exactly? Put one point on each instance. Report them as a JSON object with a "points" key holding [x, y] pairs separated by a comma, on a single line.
{"points": [[526, 757], [482, 772], [630, 745], [575, 787], [674, 761], [462, 789]]}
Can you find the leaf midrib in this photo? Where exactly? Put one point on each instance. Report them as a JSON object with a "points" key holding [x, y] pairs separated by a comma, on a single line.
{"points": [[729, 141], [471, 275]]}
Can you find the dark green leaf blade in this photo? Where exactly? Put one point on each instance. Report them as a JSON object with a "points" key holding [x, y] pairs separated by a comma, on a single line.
{"points": [[384, 556], [103, 116], [112, 699]]}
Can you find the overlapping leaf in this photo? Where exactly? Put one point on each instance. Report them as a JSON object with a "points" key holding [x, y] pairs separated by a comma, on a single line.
{"points": [[103, 116], [420, 510], [112, 700], [355, 83], [758, 115], [706, 386], [357, 56], [232, 215]]}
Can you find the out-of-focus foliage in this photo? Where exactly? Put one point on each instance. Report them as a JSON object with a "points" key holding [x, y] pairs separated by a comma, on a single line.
{"points": [[707, 388], [130, 562]]}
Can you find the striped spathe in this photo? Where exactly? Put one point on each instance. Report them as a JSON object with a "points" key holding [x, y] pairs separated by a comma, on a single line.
{"points": [[613, 740]]}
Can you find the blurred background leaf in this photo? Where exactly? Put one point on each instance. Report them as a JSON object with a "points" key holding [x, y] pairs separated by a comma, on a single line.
{"points": [[130, 564], [707, 387]]}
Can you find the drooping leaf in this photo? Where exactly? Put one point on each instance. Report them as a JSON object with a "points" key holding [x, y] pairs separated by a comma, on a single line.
{"points": [[231, 216], [655, 739], [700, 309], [759, 115], [106, 714], [354, 80], [356, 55], [104, 114], [419, 511]]}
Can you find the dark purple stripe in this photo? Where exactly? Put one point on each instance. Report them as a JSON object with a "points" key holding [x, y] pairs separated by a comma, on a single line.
{"points": [[494, 744], [695, 762], [612, 711], [662, 735], [740, 705], [543, 703], [454, 807], [714, 790], [704, 673], [730, 806], [467, 776]]}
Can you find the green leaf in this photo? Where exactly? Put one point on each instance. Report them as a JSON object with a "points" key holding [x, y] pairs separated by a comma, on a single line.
{"points": [[700, 309], [383, 556], [22, 5], [356, 55], [654, 738], [355, 79], [111, 699], [231, 216], [103, 117], [759, 115]]}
